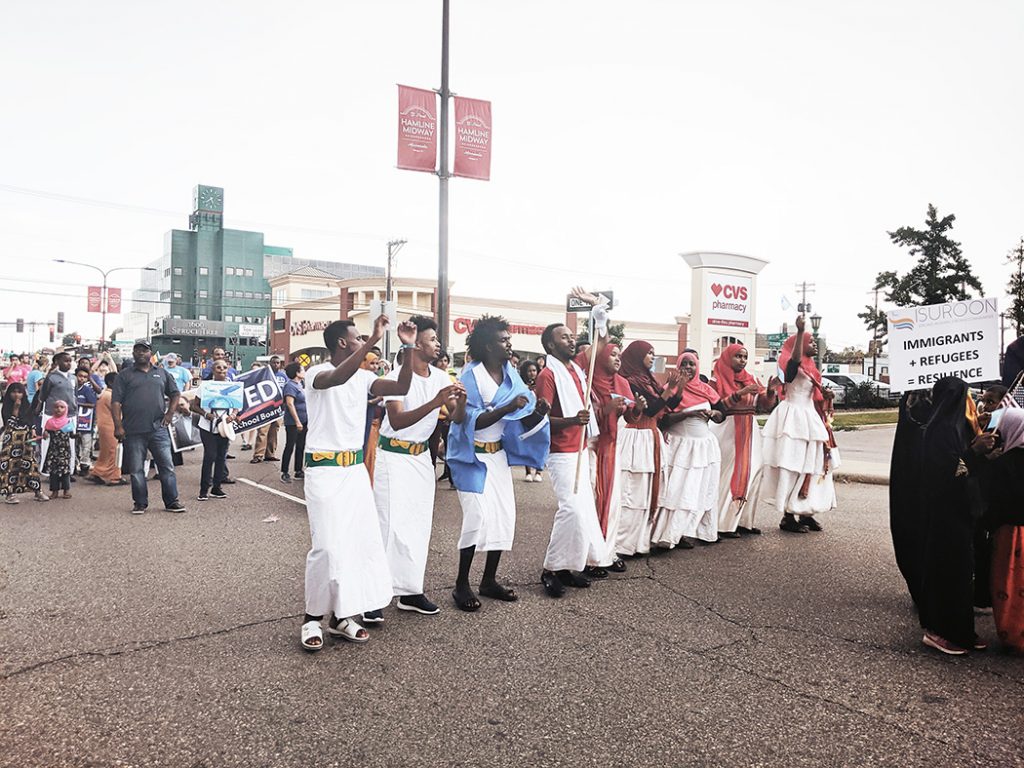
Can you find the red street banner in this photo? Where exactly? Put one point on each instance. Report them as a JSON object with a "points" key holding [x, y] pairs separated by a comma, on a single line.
{"points": [[95, 302], [417, 129], [113, 300], [472, 138]]}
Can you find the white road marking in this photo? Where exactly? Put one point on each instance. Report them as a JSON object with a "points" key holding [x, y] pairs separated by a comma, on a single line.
{"points": [[274, 491]]}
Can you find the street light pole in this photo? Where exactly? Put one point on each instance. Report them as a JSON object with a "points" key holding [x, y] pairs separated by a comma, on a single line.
{"points": [[442, 227], [394, 246], [103, 294]]}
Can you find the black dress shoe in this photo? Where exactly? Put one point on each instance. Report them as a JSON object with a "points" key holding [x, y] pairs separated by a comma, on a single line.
{"points": [[618, 566], [570, 579], [749, 531], [728, 534], [792, 525], [595, 572], [811, 523], [552, 584], [684, 543]]}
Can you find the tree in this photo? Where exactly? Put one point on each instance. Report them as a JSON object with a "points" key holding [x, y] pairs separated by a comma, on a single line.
{"points": [[1015, 288], [874, 318], [941, 274], [847, 355]]}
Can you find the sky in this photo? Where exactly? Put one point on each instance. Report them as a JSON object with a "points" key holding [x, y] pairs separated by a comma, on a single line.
{"points": [[624, 134]]}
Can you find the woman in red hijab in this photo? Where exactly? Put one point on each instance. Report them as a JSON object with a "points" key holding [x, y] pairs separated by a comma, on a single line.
{"points": [[614, 405], [688, 506], [641, 446], [739, 437], [798, 448]]}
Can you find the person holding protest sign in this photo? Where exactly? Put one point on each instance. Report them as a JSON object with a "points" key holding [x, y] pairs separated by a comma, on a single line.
{"points": [[576, 539], [85, 396], [347, 567], [403, 484], [497, 424], [798, 447], [216, 433], [266, 436]]}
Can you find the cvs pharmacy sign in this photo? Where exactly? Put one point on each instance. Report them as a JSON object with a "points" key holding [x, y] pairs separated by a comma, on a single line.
{"points": [[727, 299]]}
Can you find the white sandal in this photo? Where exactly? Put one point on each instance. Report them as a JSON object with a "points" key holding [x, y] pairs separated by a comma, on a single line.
{"points": [[312, 630], [349, 629]]}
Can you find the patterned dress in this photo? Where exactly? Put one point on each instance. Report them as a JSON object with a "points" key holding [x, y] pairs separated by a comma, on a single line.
{"points": [[18, 470]]}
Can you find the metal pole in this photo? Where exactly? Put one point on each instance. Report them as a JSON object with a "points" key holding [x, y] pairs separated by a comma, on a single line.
{"points": [[442, 226], [103, 310], [387, 298]]}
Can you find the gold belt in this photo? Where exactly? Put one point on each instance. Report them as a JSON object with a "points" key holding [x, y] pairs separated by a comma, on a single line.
{"points": [[487, 447], [333, 458]]}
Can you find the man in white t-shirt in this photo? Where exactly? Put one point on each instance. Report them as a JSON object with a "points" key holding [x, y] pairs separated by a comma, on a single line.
{"points": [[403, 479], [346, 568]]}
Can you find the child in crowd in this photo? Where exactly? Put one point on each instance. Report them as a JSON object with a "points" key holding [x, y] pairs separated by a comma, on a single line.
{"points": [[58, 430]]}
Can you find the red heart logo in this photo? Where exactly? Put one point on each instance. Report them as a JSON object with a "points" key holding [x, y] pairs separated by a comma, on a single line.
{"points": [[716, 288]]}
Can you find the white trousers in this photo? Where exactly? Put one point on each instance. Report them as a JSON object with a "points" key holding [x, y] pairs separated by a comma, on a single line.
{"points": [[403, 488], [576, 538], [346, 568]]}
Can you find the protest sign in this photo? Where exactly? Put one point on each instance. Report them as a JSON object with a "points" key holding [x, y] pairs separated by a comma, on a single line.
{"points": [[184, 431], [262, 400], [221, 395], [83, 421], [959, 338]]}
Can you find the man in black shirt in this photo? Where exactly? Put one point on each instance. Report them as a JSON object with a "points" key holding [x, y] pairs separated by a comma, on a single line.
{"points": [[141, 417]]}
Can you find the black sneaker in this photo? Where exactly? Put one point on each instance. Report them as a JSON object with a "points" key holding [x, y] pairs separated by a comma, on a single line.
{"points": [[175, 506], [138, 509], [203, 497], [373, 617], [299, 475], [217, 493], [811, 523], [417, 603], [285, 477], [792, 525], [552, 584]]}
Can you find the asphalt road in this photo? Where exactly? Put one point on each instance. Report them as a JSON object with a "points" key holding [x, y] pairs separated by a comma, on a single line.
{"points": [[172, 640]]}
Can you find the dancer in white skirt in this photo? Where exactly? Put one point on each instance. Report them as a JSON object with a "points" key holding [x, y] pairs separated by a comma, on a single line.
{"points": [[688, 504], [641, 447], [403, 479], [346, 568], [798, 447], [496, 425], [739, 437], [614, 406]]}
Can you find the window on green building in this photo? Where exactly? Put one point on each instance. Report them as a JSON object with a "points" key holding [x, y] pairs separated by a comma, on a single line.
{"points": [[204, 271]]}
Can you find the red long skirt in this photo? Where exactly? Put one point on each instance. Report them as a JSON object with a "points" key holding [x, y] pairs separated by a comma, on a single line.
{"points": [[1008, 585]]}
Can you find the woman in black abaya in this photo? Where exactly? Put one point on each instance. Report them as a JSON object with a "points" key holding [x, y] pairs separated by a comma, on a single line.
{"points": [[906, 503], [951, 446]]}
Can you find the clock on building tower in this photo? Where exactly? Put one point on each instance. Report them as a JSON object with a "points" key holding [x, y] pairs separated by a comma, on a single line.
{"points": [[208, 199]]}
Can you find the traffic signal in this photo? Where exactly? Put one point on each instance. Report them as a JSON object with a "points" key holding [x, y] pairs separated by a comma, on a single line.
{"points": [[51, 334], [19, 325], [60, 322]]}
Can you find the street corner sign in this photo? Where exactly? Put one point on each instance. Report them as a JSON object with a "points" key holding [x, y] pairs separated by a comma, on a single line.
{"points": [[472, 139], [959, 338], [417, 129], [572, 304], [727, 299]]}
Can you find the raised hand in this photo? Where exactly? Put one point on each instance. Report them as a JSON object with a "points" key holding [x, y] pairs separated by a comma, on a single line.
{"points": [[407, 332], [578, 293], [380, 325], [674, 379], [800, 323]]}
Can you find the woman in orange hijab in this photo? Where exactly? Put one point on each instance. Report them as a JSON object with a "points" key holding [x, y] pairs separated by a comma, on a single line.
{"points": [[739, 485]]}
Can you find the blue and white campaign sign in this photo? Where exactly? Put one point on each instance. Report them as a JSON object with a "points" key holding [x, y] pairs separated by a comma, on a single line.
{"points": [[224, 395], [960, 338]]}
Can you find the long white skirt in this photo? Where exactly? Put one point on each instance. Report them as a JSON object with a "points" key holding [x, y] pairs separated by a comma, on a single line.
{"points": [[732, 514], [489, 518], [794, 446], [636, 465], [576, 539], [403, 488], [689, 491], [614, 506], [346, 568]]}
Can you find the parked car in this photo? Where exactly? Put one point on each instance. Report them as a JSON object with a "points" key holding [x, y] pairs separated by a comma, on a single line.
{"points": [[852, 381], [838, 390]]}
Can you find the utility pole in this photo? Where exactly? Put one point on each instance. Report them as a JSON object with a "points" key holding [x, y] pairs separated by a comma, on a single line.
{"points": [[442, 174], [394, 246], [804, 288]]}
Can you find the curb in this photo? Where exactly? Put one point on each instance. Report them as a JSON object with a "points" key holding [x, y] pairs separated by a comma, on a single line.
{"points": [[862, 477]]}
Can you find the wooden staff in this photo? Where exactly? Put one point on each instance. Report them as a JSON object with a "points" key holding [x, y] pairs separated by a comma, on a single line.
{"points": [[586, 407]]}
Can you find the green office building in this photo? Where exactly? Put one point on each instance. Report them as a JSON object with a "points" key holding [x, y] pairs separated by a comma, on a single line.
{"points": [[209, 289]]}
